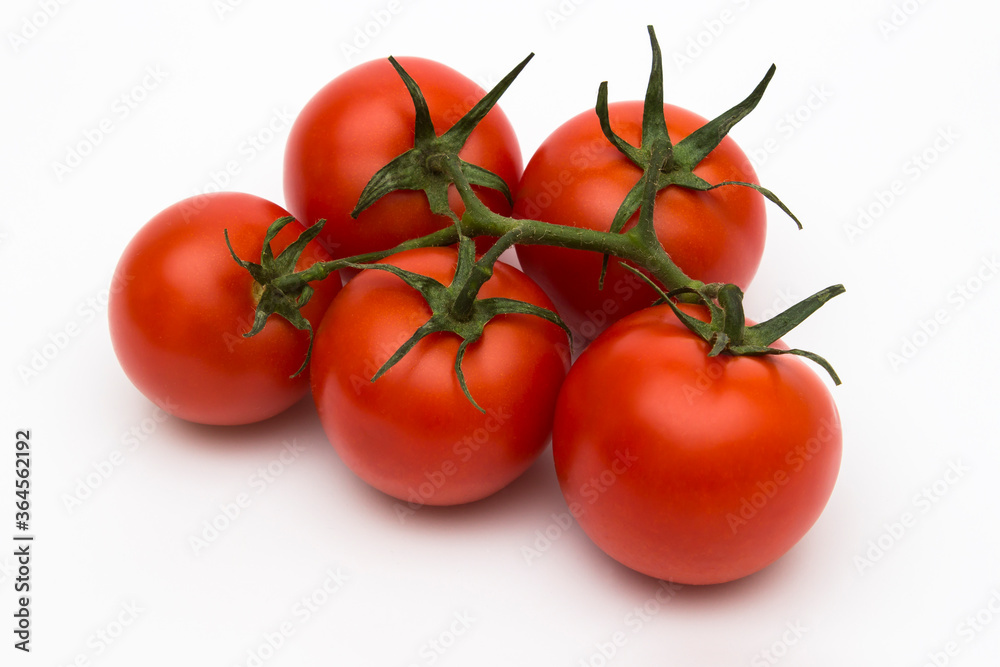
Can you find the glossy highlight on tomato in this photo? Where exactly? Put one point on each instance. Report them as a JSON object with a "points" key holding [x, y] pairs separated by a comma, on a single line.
{"points": [[578, 178], [182, 304], [413, 433], [690, 468]]}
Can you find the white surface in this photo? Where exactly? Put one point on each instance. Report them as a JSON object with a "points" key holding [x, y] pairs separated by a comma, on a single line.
{"points": [[458, 577]]}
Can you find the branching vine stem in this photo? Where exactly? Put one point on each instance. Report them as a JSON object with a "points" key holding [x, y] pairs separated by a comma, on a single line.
{"points": [[433, 166], [478, 220]]}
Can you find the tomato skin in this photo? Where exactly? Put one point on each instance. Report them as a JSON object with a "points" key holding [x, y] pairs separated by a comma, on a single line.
{"points": [[688, 468], [181, 305], [413, 433], [577, 178], [362, 120]]}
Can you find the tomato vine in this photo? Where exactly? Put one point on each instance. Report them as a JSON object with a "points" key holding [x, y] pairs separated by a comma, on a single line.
{"points": [[433, 167]]}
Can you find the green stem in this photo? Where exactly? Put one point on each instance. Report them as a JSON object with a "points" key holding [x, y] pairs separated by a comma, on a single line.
{"points": [[320, 270], [481, 271], [479, 220]]}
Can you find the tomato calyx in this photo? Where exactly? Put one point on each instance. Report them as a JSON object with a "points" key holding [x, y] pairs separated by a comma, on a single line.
{"points": [[271, 299], [727, 331], [676, 167], [422, 167], [455, 308]]}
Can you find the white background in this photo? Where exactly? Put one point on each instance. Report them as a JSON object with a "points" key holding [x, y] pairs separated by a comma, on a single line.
{"points": [[863, 89]]}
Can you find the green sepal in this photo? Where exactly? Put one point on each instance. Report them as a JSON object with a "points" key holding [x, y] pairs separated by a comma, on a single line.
{"points": [[421, 283], [631, 204], [654, 124], [643, 196], [424, 330], [811, 356], [720, 343], [726, 330], [733, 318], [494, 306], [404, 172], [483, 177], [424, 127], [770, 196], [767, 332], [603, 115], [272, 300], [460, 374], [419, 168], [459, 133], [695, 147], [682, 158], [467, 323]]}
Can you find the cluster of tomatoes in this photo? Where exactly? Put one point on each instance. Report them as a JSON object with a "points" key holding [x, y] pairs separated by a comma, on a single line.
{"points": [[683, 466]]}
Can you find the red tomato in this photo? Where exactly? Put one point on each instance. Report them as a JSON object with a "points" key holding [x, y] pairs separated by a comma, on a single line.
{"points": [[358, 123], [690, 468], [413, 433], [577, 178], [177, 322]]}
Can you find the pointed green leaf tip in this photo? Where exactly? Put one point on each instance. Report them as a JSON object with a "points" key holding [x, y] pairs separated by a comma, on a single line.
{"points": [[726, 330], [690, 151], [466, 323], [274, 301], [415, 170]]}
